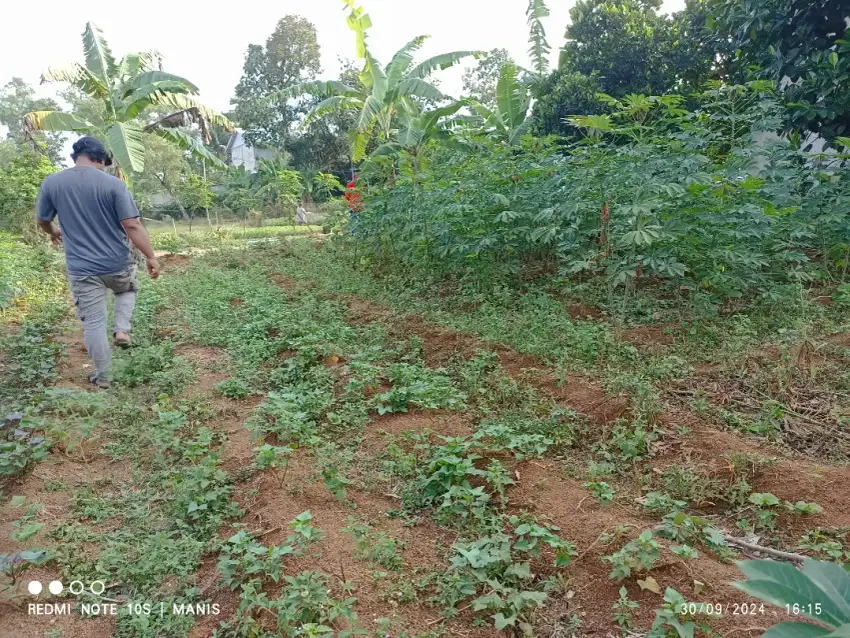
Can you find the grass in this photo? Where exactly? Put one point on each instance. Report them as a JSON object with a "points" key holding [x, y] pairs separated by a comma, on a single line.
{"points": [[31, 280], [293, 478], [534, 320], [178, 237]]}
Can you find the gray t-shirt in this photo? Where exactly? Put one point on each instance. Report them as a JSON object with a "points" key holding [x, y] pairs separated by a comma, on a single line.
{"points": [[90, 205]]}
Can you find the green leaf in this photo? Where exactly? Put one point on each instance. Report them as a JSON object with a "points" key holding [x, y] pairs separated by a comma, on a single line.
{"points": [[780, 584], [55, 121], [331, 105], [442, 62], [139, 100], [403, 58], [765, 498], [510, 98], [153, 77], [563, 558], [419, 88], [124, 139], [134, 63], [360, 140], [834, 580], [188, 142], [500, 621], [27, 531], [485, 602], [520, 570], [714, 536], [99, 59], [795, 630], [80, 77], [321, 88], [379, 81]]}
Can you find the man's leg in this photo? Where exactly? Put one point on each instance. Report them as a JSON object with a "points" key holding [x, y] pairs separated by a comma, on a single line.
{"points": [[90, 300], [125, 287]]}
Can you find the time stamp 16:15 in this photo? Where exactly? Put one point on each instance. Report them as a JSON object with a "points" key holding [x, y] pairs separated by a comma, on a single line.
{"points": [[745, 609]]}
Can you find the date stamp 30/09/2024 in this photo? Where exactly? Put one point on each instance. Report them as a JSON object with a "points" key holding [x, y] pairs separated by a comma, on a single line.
{"points": [[748, 609]]}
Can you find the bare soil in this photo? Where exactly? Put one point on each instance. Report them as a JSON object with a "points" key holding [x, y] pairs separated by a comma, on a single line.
{"points": [[543, 487]]}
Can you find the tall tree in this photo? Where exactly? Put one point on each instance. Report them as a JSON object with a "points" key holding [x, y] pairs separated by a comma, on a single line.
{"points": [[125, 90], [561, 95], [290, 56], [632, 47], [480, 81], [17, 98], [802, 44]]}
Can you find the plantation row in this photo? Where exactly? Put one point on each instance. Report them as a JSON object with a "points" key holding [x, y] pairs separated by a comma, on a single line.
{"points": [[705, 205]]}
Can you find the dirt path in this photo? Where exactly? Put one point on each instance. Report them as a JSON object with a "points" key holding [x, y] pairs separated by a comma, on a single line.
{"points": [[269, 507]]}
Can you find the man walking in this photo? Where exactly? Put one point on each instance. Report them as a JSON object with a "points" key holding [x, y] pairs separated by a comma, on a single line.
{"points": [[97, 215]]}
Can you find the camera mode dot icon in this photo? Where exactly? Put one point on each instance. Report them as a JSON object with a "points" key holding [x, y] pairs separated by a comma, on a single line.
{"points": [[34, 587], [55, 587]]}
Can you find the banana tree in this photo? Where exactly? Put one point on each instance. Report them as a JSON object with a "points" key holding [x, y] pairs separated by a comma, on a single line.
{"points": [[416, 128], [278, 184], [317, 184], [126, 90], [510, 119], [387, 92]]}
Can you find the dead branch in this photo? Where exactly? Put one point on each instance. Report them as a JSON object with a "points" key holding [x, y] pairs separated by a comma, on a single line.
{"points": [[775, 553]]}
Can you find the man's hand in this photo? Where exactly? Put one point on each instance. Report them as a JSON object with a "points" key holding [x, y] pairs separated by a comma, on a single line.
{"points": [[50, 229], [139, 237], [153, 267]]}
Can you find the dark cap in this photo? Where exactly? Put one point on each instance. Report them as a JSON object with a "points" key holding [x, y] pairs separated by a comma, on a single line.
{"points": [[93, 148]]}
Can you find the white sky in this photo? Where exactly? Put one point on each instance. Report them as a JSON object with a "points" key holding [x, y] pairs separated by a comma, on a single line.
{"points": [[207, 45]]}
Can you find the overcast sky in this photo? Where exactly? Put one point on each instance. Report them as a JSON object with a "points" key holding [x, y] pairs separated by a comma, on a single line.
{"points": [[208, 45]]}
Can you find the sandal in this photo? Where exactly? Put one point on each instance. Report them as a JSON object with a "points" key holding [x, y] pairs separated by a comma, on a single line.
{"points": [[122, 342], [99, 383]]}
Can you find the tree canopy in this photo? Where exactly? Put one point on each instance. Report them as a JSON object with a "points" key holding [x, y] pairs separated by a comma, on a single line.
{"points": [[632, 47], [17, 98], [480, 81], [290, 56], [802, 44]]}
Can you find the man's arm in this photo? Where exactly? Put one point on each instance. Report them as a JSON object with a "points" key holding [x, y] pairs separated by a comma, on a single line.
{"points": [[139, 236], [45, 213], [50, 229], [130, 218]]}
